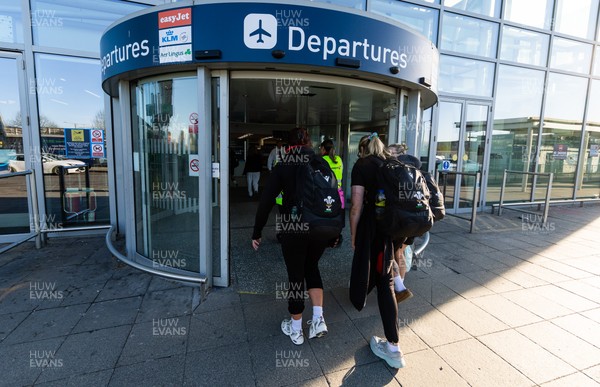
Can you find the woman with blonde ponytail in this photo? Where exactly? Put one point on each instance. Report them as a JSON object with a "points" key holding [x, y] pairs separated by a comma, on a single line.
{"points": [[373, 255]]}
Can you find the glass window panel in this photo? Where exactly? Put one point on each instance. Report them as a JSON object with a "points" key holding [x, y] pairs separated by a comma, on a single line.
{"points": [[597, 62], [589, 186], [565, 97], [561, 135], [468, 35], [535, 13], [570, 55], [466, 76], [577, 18], [11, 21], [356, 4], [70, 97], [515, 131], [424, 138], [422, 19], [448, 141], [593, 113], [14, 210], [523, 46], [485, 7], [75, 25]]}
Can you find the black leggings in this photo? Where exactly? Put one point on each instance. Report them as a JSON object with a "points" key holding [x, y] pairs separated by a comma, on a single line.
{"points": [[386, 298], [301, 257]]}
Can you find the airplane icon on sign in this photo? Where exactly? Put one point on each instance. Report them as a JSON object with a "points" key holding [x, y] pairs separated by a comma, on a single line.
{"points": [[265, 36], [260, 32]]}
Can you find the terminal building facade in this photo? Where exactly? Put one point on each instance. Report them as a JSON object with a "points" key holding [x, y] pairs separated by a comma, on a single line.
{"points": [[134, 115]]}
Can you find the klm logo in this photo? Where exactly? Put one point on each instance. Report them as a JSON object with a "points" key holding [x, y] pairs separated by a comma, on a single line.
{"points": [[170, 37]]}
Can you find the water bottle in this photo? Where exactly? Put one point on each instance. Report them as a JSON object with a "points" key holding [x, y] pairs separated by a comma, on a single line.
{"points": [[379, 204]]}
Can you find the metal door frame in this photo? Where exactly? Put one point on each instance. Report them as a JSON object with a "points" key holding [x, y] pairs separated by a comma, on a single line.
{"points": [[27, 144], [464, 102]]}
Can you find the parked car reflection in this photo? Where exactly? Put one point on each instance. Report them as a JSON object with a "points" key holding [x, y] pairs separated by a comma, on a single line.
{"points": [[51, 164]]}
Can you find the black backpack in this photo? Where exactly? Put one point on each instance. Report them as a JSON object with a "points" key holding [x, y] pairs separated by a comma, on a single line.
{"points": [[318, 199], [407, 212]]}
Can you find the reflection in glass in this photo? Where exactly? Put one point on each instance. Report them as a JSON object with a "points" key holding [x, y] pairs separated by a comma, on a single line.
{"points": [[468, 35], [565, 97], [515, 132], [166, 192], [589, 175], [11, 21], [75, 25], [14, 211], [570, 55], [70, 96], [597, 62], [577, 18], [422, 19], [446, 156], [561, 134], [593, 113], [535, 13], [423, 141], [485, 7], [216, 187], [474, 146], [466, 76], [524, 46]]}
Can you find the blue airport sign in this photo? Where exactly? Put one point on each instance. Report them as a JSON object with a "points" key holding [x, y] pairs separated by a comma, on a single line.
{"points": [[446, 165], [268, 33]]}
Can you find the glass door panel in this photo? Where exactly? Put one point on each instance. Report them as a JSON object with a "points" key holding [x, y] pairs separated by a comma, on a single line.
{"points": [[14, 155], [448, 142], [167, 189], [473, 150]]}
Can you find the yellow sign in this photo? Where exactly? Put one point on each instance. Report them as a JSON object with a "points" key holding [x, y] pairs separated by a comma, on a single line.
{"points": [[77, 135]]}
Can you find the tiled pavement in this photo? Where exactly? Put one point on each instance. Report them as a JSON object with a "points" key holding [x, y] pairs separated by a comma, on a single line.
{"points": [[514, 304]]}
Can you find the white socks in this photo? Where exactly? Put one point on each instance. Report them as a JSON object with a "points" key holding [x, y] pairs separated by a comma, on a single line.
{"points": [[393, 347], [317, 312], [399, 284], [297, 324]]}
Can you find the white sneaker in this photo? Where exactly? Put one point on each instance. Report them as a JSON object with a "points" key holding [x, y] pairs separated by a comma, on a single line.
{"points": [[296, 336], [318, 328], [380, 348]]}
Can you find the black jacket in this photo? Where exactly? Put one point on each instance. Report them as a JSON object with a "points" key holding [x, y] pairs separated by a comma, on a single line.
{"points": [[283, 178]]}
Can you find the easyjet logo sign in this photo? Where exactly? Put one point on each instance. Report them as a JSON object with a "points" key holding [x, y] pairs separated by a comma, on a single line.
{"points": [[175, 18]]}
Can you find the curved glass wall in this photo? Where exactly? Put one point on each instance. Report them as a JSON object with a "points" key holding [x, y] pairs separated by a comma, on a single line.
{"points": [[166, 191], [466, 76]]}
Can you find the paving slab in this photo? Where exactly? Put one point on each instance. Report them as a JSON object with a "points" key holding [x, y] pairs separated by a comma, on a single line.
{"points": [[435, 329], [427, 368], [372, 326], [579, 379], [215, 329], [471, 318], [93, 379], [568, 347], [538, 365], [480, 366], [229, 365], [566, 298], [581, 326], [537, 304], [23, 363], [108, 314], [374, 374], [167, 372]]}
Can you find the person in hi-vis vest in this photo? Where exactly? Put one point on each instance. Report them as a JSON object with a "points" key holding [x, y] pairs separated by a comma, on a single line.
{"points": [[336, 164]]}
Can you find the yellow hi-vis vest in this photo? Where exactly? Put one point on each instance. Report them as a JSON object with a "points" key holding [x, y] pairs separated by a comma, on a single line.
{"points": [[336, 167]]}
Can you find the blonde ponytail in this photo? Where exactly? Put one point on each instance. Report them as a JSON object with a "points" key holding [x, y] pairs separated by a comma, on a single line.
{"points": [[372, 146]]}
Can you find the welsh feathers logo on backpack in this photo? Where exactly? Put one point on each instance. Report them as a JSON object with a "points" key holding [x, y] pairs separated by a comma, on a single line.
{"points": [[407, 212], [318, 199]]}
